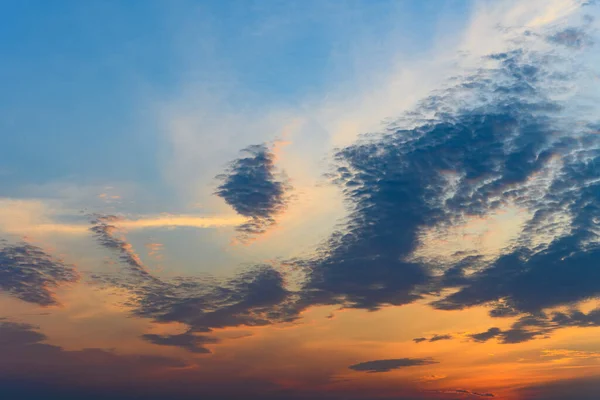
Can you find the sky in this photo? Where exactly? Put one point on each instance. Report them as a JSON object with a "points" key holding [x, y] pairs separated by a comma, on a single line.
{"points": [[337, 200]]}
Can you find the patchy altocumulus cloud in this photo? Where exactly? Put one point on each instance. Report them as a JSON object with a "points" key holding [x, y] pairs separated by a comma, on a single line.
{"points": [[254, 297], [391, 364], [496, 138], [254, 188], [499, 136], [30, 274]]}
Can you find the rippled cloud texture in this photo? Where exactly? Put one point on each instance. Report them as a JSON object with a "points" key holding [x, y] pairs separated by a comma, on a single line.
{"points": [[460, 258]]}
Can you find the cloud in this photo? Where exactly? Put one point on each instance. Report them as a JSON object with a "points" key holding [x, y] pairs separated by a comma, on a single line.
{"points": [[496, 137], [30, 274], [465, 392], [585, 388], [574, 38], [487, 335], [434, 338], [480, 152], [253, 187], [252, 298], [43, 217], [188, 341], [570, 354], [24, 351], [107, 234], [388, 365], [541, 325]]}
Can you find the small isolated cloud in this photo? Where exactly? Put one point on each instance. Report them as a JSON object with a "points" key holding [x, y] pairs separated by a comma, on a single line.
{"points": [[574, 38], [487, 335], [465, 392], [388, 365], [254, 188], [30, 274], [188, 341], [434, 338], [510, 336]]}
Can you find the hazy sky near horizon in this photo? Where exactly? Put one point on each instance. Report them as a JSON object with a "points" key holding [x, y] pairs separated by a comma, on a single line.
{"points": [[300, 199]]}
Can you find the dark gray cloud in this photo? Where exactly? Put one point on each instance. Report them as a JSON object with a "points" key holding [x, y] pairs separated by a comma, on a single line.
{"points": [[188, 341], [24, 352], [254, 188], [510, 336], [487, 335], [470, 159], [252, 298], [574, 38], [490, 138], [388, 365], [434, 338], [587, 388], [465, 392], [541, 325], [30, 274]]}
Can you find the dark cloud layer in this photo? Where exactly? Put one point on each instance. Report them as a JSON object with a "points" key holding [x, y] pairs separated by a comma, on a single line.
{"points": [[388, 365], [30, 274], [24, 352], [254, 188]]}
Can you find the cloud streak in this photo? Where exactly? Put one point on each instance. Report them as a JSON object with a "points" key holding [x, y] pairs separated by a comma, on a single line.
{"points": [[377, 366]]}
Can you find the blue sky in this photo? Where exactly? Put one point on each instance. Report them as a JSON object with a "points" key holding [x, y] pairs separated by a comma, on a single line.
{"points": [[77, 75]]}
